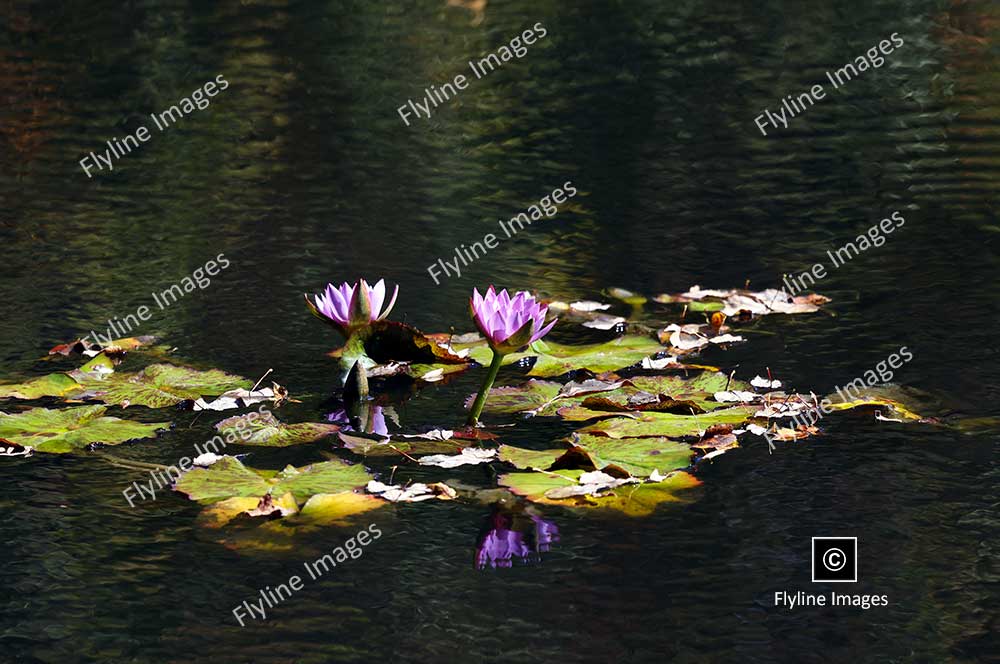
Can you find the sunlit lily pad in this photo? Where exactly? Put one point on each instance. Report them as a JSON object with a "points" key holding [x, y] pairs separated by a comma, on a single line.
{"points": [[529, 459], [163, 385], [637, 457], [640, 456], [265, 429], [52, 385], [229, 478], [72, 429], [634, 499], [67, 385], [667, 424], [664, 393], [554, 359]]}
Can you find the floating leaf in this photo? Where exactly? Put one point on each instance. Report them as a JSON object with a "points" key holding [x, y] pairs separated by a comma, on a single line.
{"points": [[220, 513], [871, 402], [52, 385], [228, 478], [162, 385], [413, 493], [388, 348], [639, 457], [537, 397], [265, 429], [734, 301], [518, 399], [375, 445], [554, 359], [71, 429], [627, 296], [243, 399], [529, 459], [765, 383], [88, 347], [635, 457], [469, 456], [631, 499], [336, 508], [667, 424]]}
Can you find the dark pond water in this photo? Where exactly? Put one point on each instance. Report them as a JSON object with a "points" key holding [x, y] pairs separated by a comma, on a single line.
{"points": [[302, 172]]}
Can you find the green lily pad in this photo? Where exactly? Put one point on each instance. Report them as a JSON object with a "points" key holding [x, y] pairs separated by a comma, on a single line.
{"points": [[520, 398], [229, 478], [646, 424], [72, 429], [554, 359], [265, 429], [540, 397], [529, 459], [637, 457], [639, 499], [52, 385], [64, 384], [163, 385]]}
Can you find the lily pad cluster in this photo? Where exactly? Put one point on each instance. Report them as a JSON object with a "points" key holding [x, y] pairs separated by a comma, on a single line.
{"points": [[98, 381], [633, 422]]}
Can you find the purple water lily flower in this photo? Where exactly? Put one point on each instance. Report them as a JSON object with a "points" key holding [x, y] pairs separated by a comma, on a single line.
{"points": [[509, 324], [348, 307]]}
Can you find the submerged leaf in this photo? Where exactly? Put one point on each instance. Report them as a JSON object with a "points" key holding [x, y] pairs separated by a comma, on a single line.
{"points": [[71, 429]]}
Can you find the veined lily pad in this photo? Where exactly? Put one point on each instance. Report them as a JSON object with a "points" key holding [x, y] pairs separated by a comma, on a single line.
{"points": [[229, 478], [529, 459], [71, 429], [555, 359], [637, 457], [683, 395], [635, 499], [52, 385], [667, 424], [67, 385], [265, 429], [162, 385]]}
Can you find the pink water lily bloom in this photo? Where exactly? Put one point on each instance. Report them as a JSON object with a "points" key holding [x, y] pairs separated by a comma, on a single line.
{"points": [[350, 307], [509, 323]]}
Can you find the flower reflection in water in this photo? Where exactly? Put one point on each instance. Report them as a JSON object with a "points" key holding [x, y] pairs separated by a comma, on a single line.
{"points": [[370, 419], [510, 535]]}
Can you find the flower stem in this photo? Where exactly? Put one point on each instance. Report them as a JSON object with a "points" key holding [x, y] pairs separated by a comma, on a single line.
{"points": [[484, 391]]}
